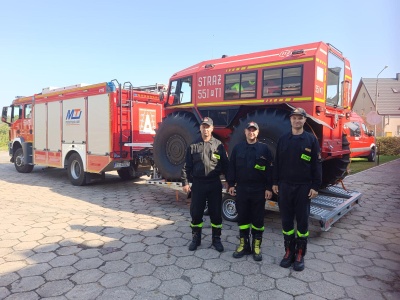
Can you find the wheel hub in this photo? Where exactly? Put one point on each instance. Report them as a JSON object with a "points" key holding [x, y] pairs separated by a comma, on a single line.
{"points": [[176, 149]]}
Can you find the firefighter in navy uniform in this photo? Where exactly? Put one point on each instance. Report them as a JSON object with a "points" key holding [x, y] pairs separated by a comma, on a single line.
{"points": [[250, 174], [296, 179], [206, 159]]}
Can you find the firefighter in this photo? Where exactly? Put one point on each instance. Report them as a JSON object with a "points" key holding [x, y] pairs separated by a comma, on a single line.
{"points": [[296, 179], [205, 160], [250, 174]]}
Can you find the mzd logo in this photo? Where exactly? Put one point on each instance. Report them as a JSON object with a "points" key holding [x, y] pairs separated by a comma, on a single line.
{"points": [[73, 116]]}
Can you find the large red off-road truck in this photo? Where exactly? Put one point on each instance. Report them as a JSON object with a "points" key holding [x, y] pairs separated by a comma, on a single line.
{"points": [[261, 87], [264, 87]]}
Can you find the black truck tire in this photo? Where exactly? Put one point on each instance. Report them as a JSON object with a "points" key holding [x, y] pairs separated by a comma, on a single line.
{"points": [[76, 173], [372, 155], [19, 162], [273, 124], [176, 132]]}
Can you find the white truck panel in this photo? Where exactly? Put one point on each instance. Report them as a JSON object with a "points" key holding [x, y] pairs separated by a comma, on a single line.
{"points": [[74, 121], [39, 127], [99, 123], [54, 130]]}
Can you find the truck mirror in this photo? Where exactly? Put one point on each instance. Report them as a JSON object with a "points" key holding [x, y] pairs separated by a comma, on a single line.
{"points": [[4, 115], [161, 96], [371, 133]]}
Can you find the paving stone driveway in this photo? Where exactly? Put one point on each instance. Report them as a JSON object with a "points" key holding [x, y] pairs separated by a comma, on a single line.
{"points": [[128, 240]]}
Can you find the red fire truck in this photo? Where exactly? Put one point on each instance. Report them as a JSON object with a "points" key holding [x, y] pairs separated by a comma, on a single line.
{"points": [[263, 87], [88, 129]]}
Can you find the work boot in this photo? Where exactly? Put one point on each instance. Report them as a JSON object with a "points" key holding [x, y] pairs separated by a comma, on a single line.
{"points": [[301, 249], [256, 245], [244, 244], [216, 239], [290, 245], [196, 238]]}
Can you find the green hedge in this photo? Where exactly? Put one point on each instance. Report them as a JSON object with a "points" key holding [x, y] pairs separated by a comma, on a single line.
{"points": [[388, 145], [3, 135]]}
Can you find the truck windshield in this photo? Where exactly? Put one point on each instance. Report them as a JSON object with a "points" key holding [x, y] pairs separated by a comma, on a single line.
{"points": [[335, 80]]}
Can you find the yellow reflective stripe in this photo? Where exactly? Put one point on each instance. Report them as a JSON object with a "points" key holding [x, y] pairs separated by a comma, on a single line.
{"points": [[302, 99], [230, 102], [305, 157], [216, 226], [256, 228], [258, 167], [242, 227], [319, 99], [299, 234], [198, 225], [215, 155], [291, 232], [347, 77], [279, 63]]}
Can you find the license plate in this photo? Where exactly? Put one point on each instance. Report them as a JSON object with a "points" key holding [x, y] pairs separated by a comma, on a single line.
{"points": [[121, 164]]}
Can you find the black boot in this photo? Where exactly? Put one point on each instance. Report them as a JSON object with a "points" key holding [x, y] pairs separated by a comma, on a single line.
{"points": [[244, 244], [196, 238], [216, 239], [301, 249], [290, 245], [256, 245]]}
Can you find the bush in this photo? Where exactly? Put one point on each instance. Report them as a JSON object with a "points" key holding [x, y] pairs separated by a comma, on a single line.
{"points": [[389, 145], [3, 135]]}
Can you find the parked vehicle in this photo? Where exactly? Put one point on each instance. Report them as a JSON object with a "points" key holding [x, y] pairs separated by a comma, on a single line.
{"points": [[88, 129], [362, 141]]}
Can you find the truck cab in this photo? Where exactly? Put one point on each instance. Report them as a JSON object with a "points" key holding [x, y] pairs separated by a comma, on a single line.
{"points": [[362, 141]]}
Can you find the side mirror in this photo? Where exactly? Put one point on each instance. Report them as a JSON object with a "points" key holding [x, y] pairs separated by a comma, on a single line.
{"points": [[161, 96], [371, 133]]}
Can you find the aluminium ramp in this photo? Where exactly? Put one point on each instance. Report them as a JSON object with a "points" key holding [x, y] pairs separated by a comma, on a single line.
{"points": [[331, 204]]}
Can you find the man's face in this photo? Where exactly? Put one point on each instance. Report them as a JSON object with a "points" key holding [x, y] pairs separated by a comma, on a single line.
{"points": [[251, 134], [206, 130], [297, 121]]}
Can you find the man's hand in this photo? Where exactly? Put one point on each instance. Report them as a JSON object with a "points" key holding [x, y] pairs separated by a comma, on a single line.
{"points": [[186, 189], [232, 191], [312, 194], [275, 189], [268, 194]]}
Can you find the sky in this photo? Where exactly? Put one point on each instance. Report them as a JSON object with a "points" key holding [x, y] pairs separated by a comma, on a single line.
{"points": [[62, 43]]}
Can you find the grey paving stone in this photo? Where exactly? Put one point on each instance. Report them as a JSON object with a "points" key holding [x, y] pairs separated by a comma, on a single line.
{"points": [[26, 284], [196, 276], [227, 279], [86, 276], [349, 269], [381, 273], [60, 273], [88, 263], [206, 291], [63, 261], [20, 296], [375, 284], [33, 270], [85, 291], [246, 267], [274, 295], [216, 265], [175, 288], [339, 279], [362, 293], [120, 293], [55, 288], [259, 282], [307, 275], [114, 279], [358, 261], [144, 284], [327, 290], [4, 292], [292, 286]]}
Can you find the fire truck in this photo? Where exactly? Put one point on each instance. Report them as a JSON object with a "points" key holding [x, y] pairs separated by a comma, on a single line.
{"points": [[87, 129], [362, 141], [264, 87]]}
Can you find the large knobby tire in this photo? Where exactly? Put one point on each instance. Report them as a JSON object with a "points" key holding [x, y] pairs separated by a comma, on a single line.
{"points": [[176, 132], [19, 162], [335, 170], [76, 173], [273, 123]]}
